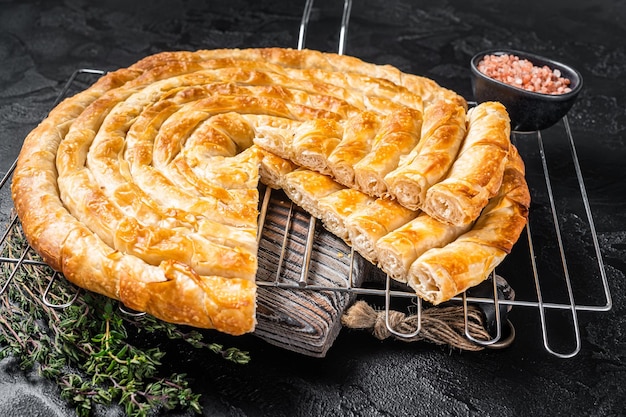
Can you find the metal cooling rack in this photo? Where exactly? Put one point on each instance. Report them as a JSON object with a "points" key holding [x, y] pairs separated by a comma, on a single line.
{"points": [[552, 291]]}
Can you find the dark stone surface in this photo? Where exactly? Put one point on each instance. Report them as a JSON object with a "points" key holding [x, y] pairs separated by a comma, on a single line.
{"points": [[43, 42]]}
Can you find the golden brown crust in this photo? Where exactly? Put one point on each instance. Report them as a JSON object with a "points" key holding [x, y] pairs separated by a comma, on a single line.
{"points": [[335, 208], [273, 168], [153, 168], [398, 249], [443, 132], [144, 186], [306, 189], [357, 142], [314, 141], [438, 260], [441, 273], [477, 172], [399, 134], [373, 221]]}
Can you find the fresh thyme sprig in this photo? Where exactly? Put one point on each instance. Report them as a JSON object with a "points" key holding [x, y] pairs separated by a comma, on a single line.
{"points": [[86, 349]]}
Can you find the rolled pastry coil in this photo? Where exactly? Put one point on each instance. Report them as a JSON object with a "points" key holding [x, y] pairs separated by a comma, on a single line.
{"points": [[144, 186]]}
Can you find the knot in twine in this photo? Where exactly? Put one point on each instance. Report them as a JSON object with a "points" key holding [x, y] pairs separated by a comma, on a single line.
{"points": [[440, 325]]}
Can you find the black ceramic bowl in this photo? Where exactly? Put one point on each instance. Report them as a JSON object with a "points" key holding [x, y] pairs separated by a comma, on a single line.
{"points": [[528, 110]]}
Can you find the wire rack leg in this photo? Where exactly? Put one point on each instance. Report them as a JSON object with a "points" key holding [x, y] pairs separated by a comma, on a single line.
{"points": [[45, 296], [388, 308], [498, 335]]}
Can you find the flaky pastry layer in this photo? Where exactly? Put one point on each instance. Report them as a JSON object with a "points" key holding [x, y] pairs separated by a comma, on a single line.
{"points": [[436, 259], [143, 187]]}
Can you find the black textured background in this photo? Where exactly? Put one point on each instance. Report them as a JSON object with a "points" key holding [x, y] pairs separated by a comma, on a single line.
{"points": [[43, 42]]}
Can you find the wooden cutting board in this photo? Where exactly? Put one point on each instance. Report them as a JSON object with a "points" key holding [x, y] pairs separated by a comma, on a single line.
{"points": [[304, 320]]}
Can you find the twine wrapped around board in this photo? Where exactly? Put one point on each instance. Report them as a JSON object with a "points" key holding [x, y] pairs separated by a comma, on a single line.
{"points": [[439, 325], [442, 325]]}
